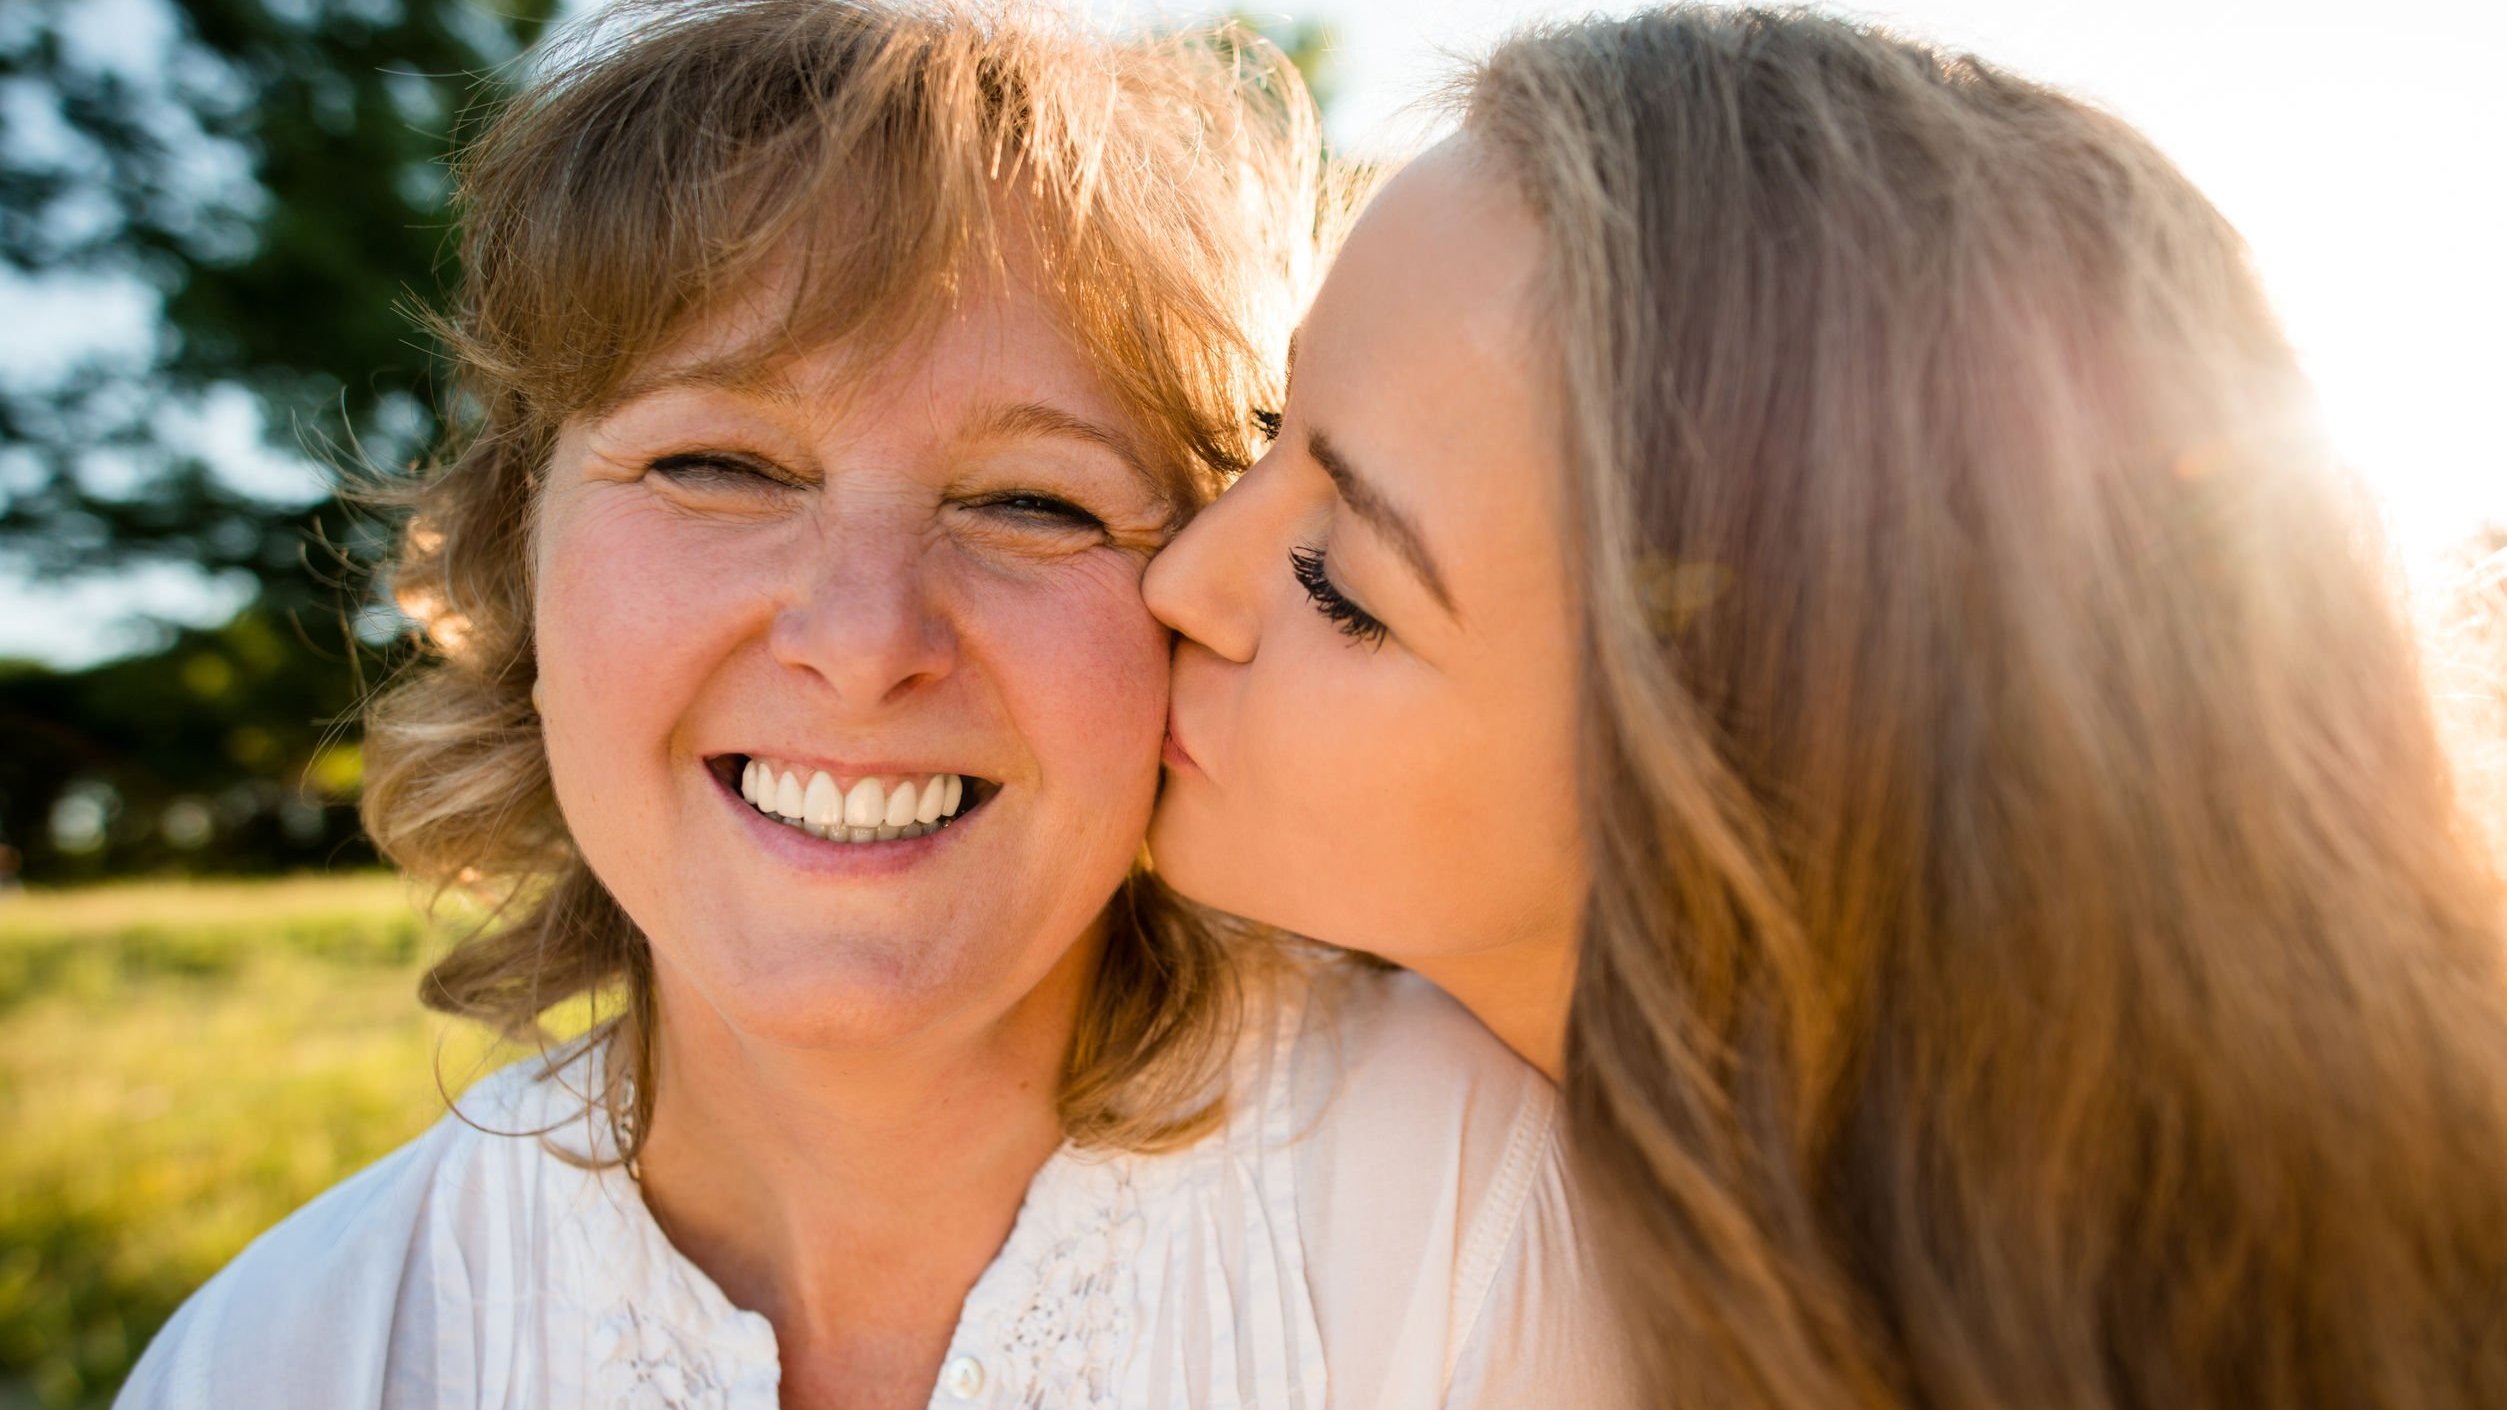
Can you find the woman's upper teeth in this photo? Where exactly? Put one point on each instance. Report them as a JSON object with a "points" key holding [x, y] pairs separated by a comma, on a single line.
{"points": [[820, 800]]}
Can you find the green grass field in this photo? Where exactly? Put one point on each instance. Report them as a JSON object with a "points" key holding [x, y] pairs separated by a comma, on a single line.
{"points": [[181, 1064]]}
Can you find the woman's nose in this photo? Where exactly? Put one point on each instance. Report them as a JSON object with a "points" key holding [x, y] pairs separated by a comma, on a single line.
{"points": [[1207, 583], [865, 619]]}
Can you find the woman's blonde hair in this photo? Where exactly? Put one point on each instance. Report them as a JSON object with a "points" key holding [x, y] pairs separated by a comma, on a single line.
{"points": [[869, 160], [2034, 956]]}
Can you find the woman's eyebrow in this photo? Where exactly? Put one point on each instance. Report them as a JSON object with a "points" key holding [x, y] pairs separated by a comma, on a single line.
{"points": [[1368, 503], [719, 375], [1034, 418]]}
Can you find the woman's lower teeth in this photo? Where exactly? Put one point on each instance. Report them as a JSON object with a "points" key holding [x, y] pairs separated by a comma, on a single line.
{"points": [[841, 833]]}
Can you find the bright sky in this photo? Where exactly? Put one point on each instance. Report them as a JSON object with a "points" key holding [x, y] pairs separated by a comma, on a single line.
{"points": [[2365, 159], [2362, 152]]}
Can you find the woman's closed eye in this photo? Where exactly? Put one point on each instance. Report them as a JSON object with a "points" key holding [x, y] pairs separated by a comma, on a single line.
{"points": [[1035, 519], [1306, 565], [1043, 523], [718, 471], [1042, 510]]}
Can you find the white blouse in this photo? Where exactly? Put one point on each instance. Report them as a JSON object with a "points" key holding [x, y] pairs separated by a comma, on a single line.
{"points": [[1380, 1222]]}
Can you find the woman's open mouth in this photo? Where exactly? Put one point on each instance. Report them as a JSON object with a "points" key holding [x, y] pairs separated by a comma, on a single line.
{"points": [[873, 808]]}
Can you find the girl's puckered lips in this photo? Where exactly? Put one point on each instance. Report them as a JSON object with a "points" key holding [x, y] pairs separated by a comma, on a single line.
{"points": [[1173, 753]]}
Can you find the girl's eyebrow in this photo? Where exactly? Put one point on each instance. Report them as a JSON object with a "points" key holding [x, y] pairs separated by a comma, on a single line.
{"points": [[1369, 504]]}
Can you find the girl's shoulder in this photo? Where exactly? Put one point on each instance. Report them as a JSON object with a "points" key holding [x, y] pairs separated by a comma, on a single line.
{"points": [[1432, 1196], [1432, 1200], [1366, 1227], [1384, 1042]]}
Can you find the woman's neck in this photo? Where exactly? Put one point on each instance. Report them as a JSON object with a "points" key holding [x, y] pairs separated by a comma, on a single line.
{"points": [[1518, 991], [852, 1196]]}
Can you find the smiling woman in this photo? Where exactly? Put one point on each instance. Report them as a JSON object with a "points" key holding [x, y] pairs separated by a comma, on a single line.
{"points": [[946, 546], [869, 187], [837, 367]]}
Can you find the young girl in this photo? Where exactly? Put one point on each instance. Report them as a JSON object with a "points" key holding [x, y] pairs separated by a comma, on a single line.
{"points": [[1797, 581]]}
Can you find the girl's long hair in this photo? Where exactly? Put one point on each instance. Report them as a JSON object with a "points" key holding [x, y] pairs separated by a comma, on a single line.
{"points": [[2035, 956]]}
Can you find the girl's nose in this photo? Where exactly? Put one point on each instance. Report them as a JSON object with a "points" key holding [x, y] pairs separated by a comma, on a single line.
{"points": [[1208, 583]]}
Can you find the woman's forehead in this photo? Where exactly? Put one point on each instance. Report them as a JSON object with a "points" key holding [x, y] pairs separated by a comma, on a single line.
{"points": [[986, 340], [1016, 316]]}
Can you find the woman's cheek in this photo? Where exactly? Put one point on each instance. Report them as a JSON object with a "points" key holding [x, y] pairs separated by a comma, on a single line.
{"points": [[1084, 663], [627, 596], [631, 617]]}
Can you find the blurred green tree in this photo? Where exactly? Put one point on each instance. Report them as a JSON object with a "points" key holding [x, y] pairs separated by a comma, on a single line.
{"points": [[273, 171], [270, 175], [213, 754]]}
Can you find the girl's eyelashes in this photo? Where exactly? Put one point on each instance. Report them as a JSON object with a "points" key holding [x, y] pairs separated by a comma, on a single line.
{"points": [[1268, 423], [1306, 565]]}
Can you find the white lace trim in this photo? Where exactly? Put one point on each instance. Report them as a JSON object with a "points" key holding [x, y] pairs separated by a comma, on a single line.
{"points": [[650, 1364], [1058, 1317]]}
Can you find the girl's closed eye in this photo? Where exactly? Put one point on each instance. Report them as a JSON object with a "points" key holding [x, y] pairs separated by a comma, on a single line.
{"points": [[1306, 565]]}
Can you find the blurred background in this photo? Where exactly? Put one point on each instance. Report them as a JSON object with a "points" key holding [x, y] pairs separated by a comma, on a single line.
{"points": [[214, 217]]}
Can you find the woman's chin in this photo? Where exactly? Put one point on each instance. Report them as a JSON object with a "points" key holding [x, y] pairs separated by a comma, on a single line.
{"points": [[896, 979], [838, 995]]}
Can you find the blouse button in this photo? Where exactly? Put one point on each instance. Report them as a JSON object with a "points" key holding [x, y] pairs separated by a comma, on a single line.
{"points": [[963, 1377]]}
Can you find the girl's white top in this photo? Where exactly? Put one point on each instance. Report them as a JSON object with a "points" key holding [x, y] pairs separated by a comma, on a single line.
{"points": [[1381, 1222]]}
